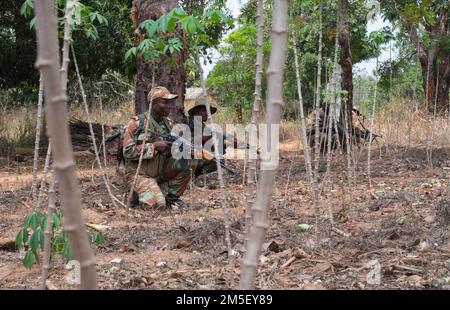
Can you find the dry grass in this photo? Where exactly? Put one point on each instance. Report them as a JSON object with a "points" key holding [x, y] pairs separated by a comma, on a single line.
{"points": [[17, 127], [398, 123]]}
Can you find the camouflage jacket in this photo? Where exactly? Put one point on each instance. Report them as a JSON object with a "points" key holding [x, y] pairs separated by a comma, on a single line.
{"points": [[152, 160]]}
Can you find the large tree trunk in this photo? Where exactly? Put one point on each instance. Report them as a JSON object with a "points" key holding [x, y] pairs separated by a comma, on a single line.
{"points": [[345, 61], [429, 56], [168, 70], [430, 69]]}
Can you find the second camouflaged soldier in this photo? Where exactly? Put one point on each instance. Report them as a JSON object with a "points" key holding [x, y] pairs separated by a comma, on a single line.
{"points": [[162, 179]]}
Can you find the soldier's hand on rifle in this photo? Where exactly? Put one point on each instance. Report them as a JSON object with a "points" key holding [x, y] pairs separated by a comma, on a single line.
{"points": [[161, 146]]}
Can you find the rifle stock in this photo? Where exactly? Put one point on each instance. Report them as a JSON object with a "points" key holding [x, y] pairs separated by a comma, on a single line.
{"points": [[206, 155]]}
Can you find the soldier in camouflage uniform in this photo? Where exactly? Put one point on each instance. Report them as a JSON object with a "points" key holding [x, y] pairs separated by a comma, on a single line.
{"points": [[360, 133], [162, 179], [197, 117]]}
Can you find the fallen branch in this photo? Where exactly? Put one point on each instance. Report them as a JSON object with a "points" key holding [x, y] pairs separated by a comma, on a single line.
{"points": [[340, 232], [408, 268]]}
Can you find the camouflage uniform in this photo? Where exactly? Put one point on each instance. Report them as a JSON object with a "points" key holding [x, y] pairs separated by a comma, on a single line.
{"points": [[159, 173], [358, 130], [201, 166], [311, 128]]}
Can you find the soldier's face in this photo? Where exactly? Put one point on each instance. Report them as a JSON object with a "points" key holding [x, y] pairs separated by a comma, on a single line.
{"points": [[162, 107], [202, 113]]}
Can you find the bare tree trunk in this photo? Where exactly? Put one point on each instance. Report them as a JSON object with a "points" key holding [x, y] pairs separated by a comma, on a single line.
{"points": [[66, 45], [48, 233], [306, 148], [433, 122], [268, 165], [52, 189], [37, 137], [64, 164], [371, 126], [105, 161], [318, 129], [94, 143], [64, 71], [44, 177], [348, 147], [255, 114], [329, 133], [219, 171], [173, 75], [346, 63]]}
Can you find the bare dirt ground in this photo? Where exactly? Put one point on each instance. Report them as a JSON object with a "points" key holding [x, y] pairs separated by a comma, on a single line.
{"points": [[403, 223]]}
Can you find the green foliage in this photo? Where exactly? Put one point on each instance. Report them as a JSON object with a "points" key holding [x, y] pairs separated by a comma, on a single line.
{"points": [[233, 77], [162, 37], [31, 237], [106, 22]]}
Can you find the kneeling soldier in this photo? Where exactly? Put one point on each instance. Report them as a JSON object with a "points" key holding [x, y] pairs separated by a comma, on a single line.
{"points": [[159, 171]]}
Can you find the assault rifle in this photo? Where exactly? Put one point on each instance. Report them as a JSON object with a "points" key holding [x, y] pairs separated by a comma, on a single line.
{"points": [[206, 155]]}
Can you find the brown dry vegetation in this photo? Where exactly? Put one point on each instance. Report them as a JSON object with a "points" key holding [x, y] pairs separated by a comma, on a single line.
{"points": [[403, 222]]}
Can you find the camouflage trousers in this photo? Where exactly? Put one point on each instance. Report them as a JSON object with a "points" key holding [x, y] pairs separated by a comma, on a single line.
{"points": [[151, 191]]}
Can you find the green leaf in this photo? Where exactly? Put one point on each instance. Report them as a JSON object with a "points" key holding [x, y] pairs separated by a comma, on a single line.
{"points": [[19, 239], [33, 23], [58, 243], [179, 12], [33, 220], [130, 53], [27, 221], [24, 235], [33, 241], [97, 238], [77, 13], [26, 7], [91, 31], [102, 20], [145, 45], [67, 251], [43, 223], [41, 239], [303, 226], [153, 28], [171, 24], [163, 23], [147, 24], [191, 27], [92, 16], [29, 259], [56, 220], [185, 21]]}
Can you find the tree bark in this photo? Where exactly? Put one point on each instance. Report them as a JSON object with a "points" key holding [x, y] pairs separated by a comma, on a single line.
{"points": [[37, 138], [346, 62], [167, 71], [268, 164], [64, 164], [48, 233], [428, 57], [255, 115], [317, 136]]}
